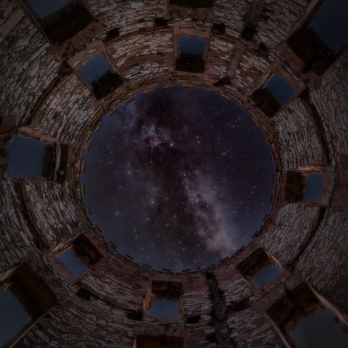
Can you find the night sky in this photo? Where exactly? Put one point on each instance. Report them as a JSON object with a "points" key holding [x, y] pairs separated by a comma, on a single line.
{"points": [[331, 23], [321, 330], [178, 178], [25, 158], [45, 8], [12, 316], [95, 68]]}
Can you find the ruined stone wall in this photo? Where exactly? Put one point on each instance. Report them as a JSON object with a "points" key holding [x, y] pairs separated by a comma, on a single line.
{"points": [[126, 14], [331, 102], [292, 217], [15, 234], [308, 240], [65, 113], [278, 19], [294, 125], [51, 210], [27, 66]]}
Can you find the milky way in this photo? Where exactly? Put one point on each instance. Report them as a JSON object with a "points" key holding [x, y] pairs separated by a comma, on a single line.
{"points": [[178, 178]]}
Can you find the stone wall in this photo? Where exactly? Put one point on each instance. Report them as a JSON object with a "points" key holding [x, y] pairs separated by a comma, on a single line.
{"points": [[27, 65], [40, 89]]}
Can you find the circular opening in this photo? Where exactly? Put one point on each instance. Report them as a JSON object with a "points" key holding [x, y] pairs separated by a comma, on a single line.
{"points": [[178, 179]]}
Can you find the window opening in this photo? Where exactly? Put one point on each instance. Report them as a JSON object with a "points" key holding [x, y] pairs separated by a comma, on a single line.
{"points": [[98, 73], [331, 24], [14, 315], [60, 19], [191, 51], [52, 12], [314, 186], [259, 268], [79, 255], [270, 98], [72, 263], [321, 38], [280, 88], [24, 298], [30, 158], [266, 275], [191, 46], [304, 186], [164, 308], [320, 330], [164, 299], [306, 320]]}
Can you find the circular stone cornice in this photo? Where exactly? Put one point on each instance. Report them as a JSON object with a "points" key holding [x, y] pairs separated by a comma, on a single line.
{"points": [[126, 94]]}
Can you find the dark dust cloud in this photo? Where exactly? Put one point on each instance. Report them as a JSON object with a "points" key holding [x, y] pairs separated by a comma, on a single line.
{"points": [[178, 178]]}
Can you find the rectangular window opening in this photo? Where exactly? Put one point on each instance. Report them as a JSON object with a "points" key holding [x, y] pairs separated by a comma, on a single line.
{"points": [[191, 51], [304, 186], [60, 19], [72, 263], [99, 75], [266, 275], [259, 268], [79, 256], [322, 37], [321, 329], [29, 158], [164, 308], [15, 312], [306, 322], [314, 186], [146, 341], [266, 101], [280, 88], [164, 300], [24, 298], [331, 25]]}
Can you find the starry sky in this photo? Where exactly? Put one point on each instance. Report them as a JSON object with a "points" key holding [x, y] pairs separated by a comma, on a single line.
{"points": [[178, 178]]}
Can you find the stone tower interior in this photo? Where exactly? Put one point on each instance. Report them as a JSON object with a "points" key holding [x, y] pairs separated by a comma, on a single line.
{"points": [[246, 46]]}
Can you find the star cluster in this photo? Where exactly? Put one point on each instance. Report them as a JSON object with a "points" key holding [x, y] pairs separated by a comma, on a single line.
{"points": [[178, 178]]}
